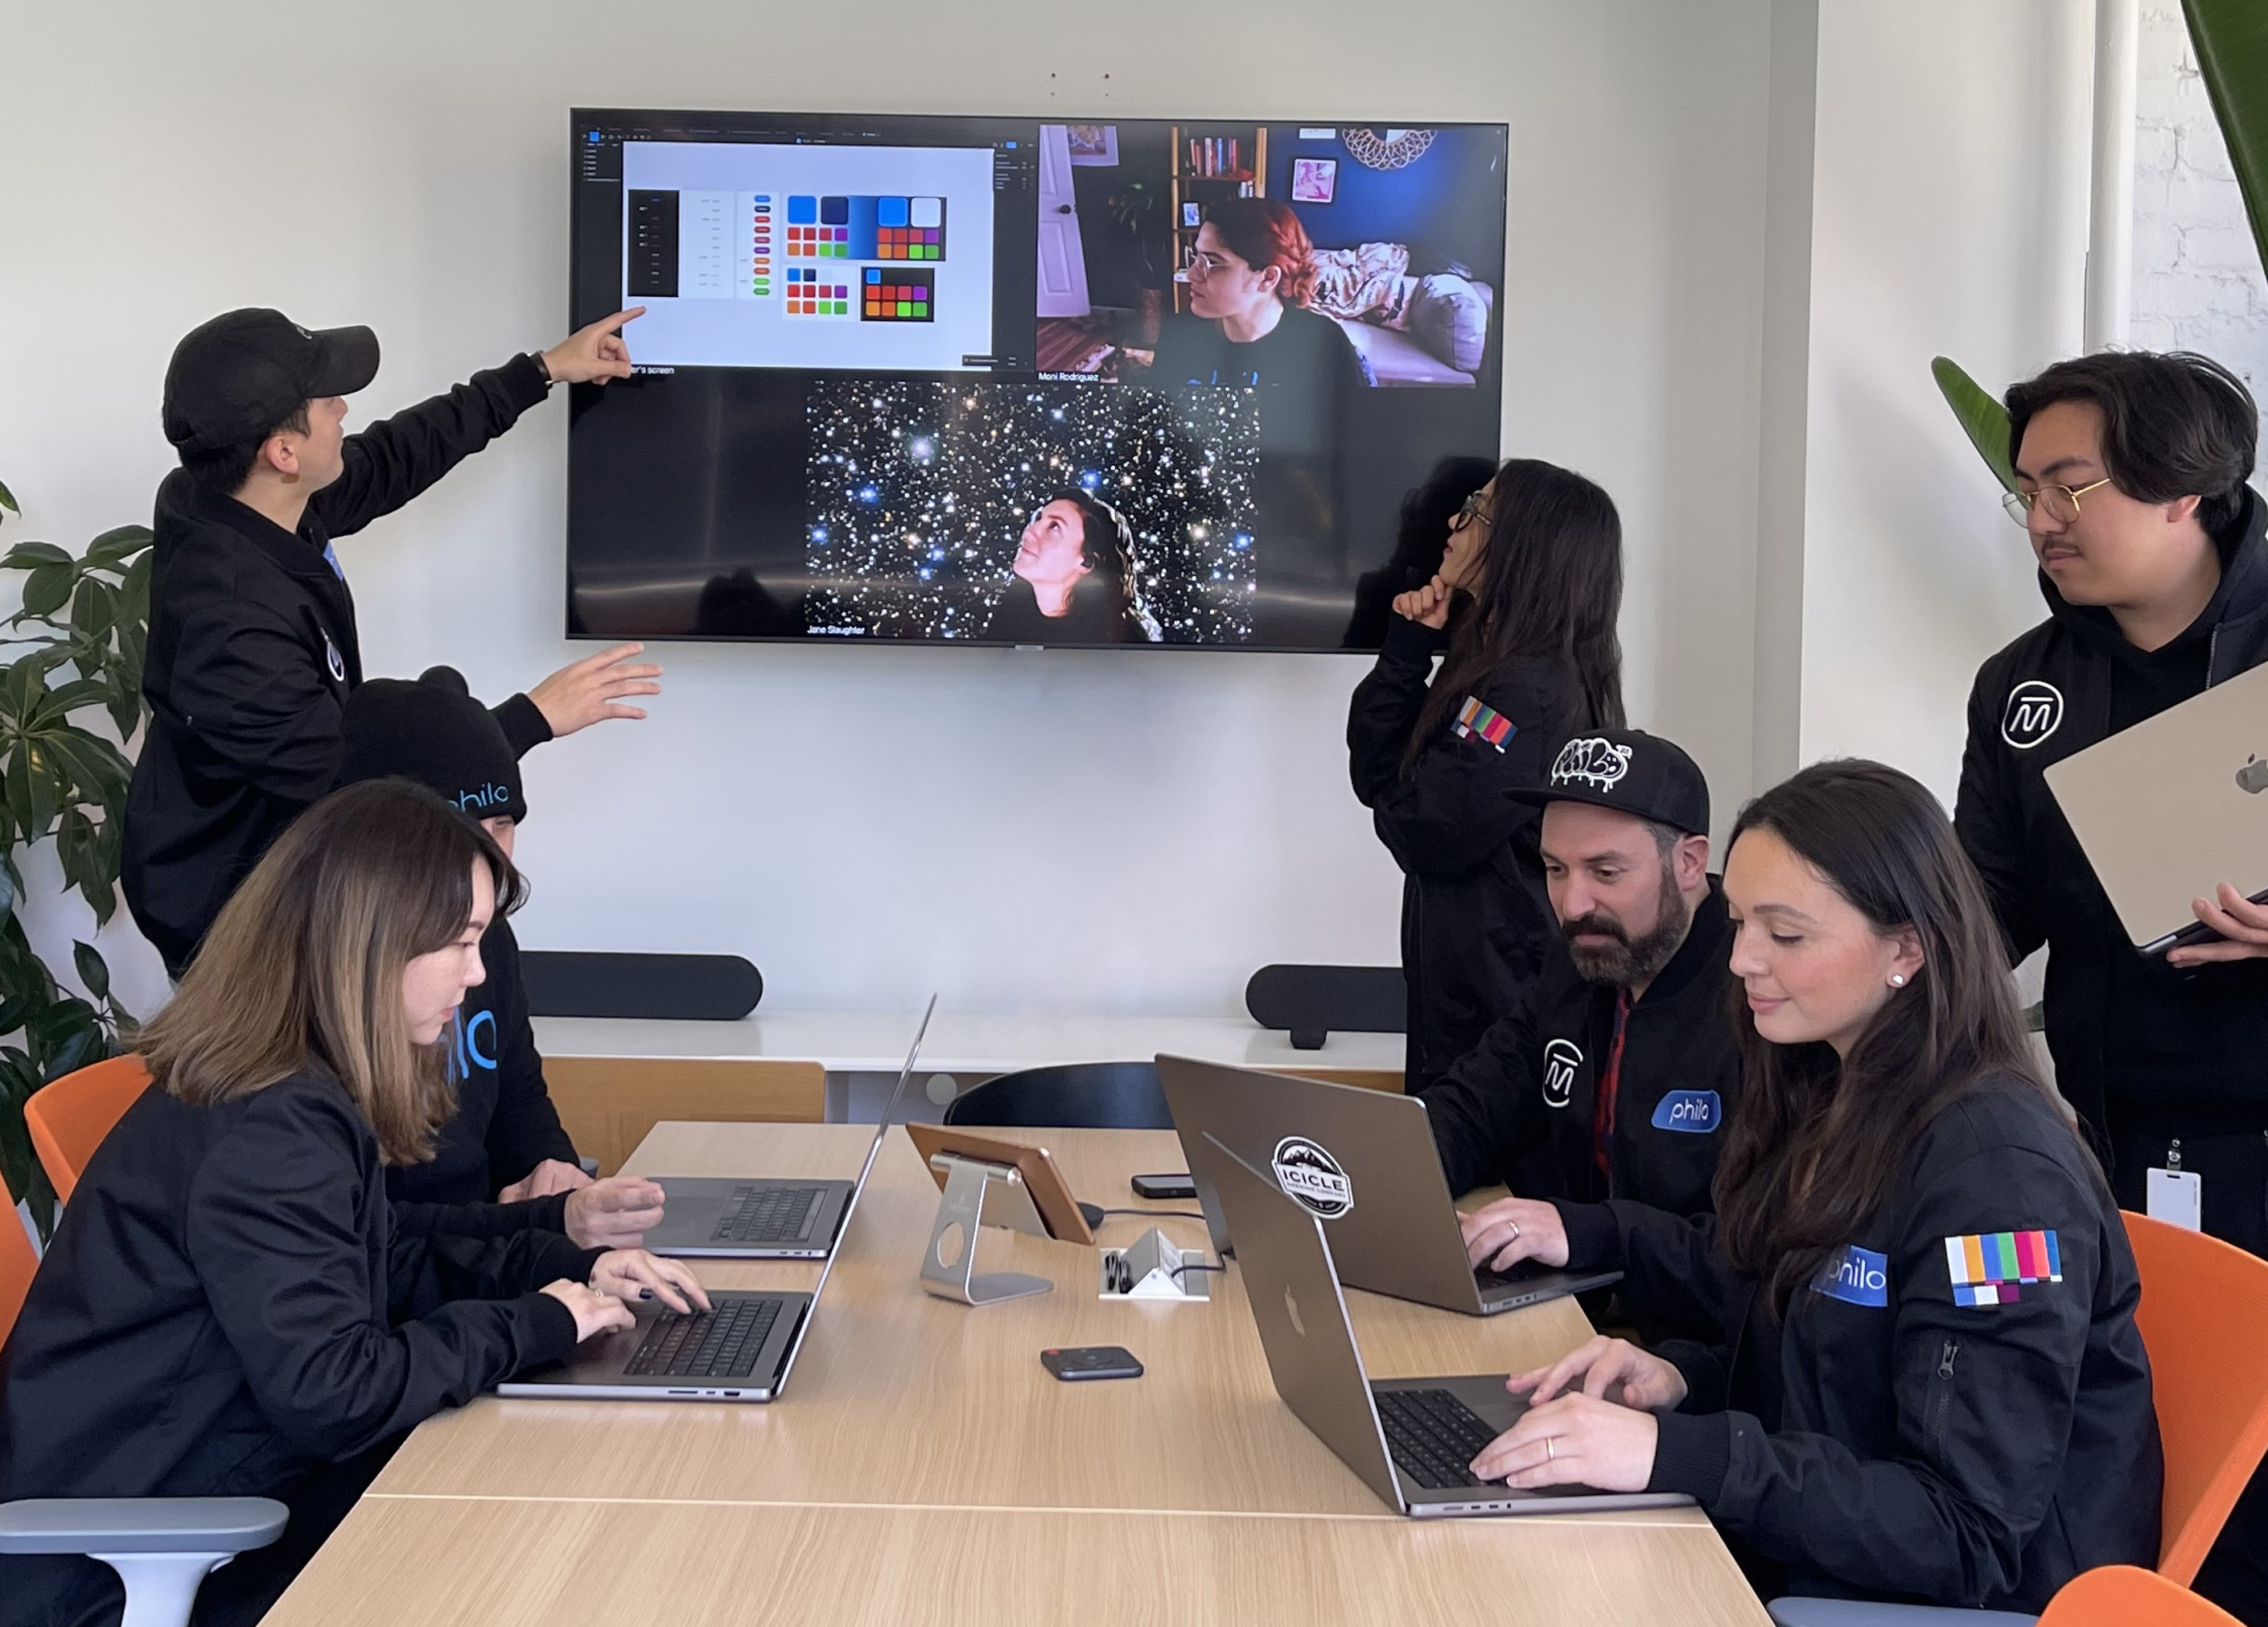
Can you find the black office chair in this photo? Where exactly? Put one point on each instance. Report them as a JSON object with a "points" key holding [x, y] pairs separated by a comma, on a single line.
{"points": [[1075, 1095]]}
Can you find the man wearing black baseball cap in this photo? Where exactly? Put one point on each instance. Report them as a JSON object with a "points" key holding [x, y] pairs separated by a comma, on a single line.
{"points": [[504, 1142], [1601, 1100], [253, 648]]}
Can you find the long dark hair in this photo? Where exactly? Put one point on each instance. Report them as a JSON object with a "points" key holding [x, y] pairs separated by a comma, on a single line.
{"points": [[1811, 1155], [304, 966], [1107, 544], [1551, 585]]}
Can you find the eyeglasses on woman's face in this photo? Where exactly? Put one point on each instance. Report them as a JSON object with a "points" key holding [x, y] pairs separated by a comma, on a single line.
{"points": [[1473, 512], [2059, 504]]}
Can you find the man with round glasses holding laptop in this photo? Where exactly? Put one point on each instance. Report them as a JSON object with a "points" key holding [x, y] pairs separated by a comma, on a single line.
{"points": [[2131, 472]]}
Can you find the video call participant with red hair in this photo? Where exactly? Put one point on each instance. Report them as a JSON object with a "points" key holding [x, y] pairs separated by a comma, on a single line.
{"points": [[1249, 324]]}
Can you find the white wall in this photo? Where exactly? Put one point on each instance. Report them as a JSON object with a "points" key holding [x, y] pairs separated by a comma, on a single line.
{"points": [[1949, 216], [2197, 281], [1063, 832]]}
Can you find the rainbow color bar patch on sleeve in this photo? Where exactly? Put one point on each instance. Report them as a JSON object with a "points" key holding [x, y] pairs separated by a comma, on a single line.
{"points": [[1476, 721], [1989, 1268]]}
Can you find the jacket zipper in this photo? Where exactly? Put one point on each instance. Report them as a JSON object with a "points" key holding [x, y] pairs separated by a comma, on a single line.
{"points": [[2211, 652], [1941, 1403]]}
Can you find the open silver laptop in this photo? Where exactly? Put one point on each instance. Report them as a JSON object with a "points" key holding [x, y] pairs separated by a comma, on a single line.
{"points": [[742, 1348], [2172, 807], [1363, 1162], [1410, 1439], [714, 1217]]}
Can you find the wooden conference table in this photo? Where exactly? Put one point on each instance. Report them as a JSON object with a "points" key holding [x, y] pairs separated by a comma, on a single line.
{"points": [[922, 1466]]}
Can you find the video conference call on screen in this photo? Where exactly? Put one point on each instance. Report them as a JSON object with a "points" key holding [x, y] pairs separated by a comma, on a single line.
{"points": [[934, 379]]}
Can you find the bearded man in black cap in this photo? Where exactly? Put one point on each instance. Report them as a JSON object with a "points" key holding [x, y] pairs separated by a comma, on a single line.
{"points": [[252, 649], [1601, 1100]]}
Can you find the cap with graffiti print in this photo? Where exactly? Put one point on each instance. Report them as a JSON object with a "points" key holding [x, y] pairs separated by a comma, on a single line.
{"points": [[1630, 770]]}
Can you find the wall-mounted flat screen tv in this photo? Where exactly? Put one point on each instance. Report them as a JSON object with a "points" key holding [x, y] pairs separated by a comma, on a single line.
{"points": [[983, 380]]}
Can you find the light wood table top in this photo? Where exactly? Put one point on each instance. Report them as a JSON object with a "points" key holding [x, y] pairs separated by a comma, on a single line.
{"points": [[921, 1466], [902, 1398], [446, 1562]]}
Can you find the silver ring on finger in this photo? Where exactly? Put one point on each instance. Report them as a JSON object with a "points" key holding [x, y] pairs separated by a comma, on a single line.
{"points": [[1514, 1224]]}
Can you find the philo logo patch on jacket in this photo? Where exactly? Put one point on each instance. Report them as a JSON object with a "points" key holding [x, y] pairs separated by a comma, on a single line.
{"points": [[1478, 722], [2035, 711], [1696, 1112], [1989, 1268], [1593, 759], [480, 798], [1312, 1178], [1856, 1277], [473, 1044], [1561, 1059]]}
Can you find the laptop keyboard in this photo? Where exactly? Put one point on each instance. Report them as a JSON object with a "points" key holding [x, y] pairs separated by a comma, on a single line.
{"points": [[770, 1215], [720, 1344], [1432, 1435]]}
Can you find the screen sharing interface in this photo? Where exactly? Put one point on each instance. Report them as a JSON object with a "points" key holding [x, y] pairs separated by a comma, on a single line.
{"points": [[937, 379]]}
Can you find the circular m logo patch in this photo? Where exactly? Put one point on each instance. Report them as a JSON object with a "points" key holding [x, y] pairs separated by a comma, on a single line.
{"points": [[1561, 1059], [2034, 711], [1312, 1178]]}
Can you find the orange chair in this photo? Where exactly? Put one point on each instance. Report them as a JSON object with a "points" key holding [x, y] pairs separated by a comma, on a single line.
{"points": [[68, 1118], [2125, 1595], [2202, 1299], [18, 1262]]}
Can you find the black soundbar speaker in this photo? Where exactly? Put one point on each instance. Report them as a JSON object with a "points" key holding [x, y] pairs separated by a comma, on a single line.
{"points": [[574, 983], [1312, 1001]]}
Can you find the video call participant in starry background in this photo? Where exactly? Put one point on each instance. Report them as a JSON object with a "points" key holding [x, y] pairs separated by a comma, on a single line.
{"points": [[1530, 585], [1602, 1099], [2130, 471], [1248, 324], [1075, 579], [252, 647], [503, 1141], [228, 1308], [1930, 1388]]}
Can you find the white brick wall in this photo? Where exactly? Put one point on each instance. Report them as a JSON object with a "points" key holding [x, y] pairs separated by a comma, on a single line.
{"points": [[2197, 279]]}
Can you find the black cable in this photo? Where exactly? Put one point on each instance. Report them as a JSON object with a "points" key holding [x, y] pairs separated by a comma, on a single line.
{"points": [[1156, 1214], [1191, 1265]]}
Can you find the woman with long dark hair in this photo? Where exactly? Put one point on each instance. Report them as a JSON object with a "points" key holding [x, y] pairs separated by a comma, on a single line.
{"points": [[1930, 1387], [1523, 611], [1076, 578], [228, 1308]]}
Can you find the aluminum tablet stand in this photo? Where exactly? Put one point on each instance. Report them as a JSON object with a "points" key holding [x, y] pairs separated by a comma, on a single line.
{"points": [[977, 1194]]}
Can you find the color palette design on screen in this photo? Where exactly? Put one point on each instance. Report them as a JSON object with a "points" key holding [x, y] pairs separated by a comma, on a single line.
{"points": [[865, 226], [814, 292], [760, 249], [899, 294]]}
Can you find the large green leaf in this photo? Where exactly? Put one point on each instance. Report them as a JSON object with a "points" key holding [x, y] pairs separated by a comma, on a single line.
{"points": [[113, 548], [2231, 37], [1984, 418], [48, 588], [91, 969], [8, 501], [24, 555]]}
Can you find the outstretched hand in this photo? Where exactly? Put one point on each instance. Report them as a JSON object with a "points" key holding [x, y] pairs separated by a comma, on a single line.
{"points": [[593, 354], [1428, 606], [593, 689]]}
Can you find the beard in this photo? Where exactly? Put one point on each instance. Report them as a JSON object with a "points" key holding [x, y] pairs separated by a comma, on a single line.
{"points": [[1622, 959]]}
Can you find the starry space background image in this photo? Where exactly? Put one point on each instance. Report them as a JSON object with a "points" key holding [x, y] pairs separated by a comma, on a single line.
{"points": [[920, 488]]}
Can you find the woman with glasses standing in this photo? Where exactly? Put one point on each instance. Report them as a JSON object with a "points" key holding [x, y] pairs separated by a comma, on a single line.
{"points": [[1523, 614], [2130, 471]]}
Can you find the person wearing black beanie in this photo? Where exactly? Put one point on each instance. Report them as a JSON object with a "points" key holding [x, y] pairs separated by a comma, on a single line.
{"points": [[506, 1142]]}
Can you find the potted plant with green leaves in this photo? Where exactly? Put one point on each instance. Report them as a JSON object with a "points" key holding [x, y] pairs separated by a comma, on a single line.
{"points": [[1142, 209], [71, 656]]}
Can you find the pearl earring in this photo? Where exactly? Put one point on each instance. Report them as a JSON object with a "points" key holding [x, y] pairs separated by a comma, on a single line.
{"points": [[1897, 980]]}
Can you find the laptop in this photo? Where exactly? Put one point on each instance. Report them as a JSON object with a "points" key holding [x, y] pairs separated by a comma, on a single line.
{"points": [[2172, 807], [1410, 1439], [742, 1348], [1363, 1161], [710, 1217]]}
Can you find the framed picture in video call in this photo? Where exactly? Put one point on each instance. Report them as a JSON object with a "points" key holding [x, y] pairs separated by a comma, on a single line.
{"points": [[947, 380]]}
